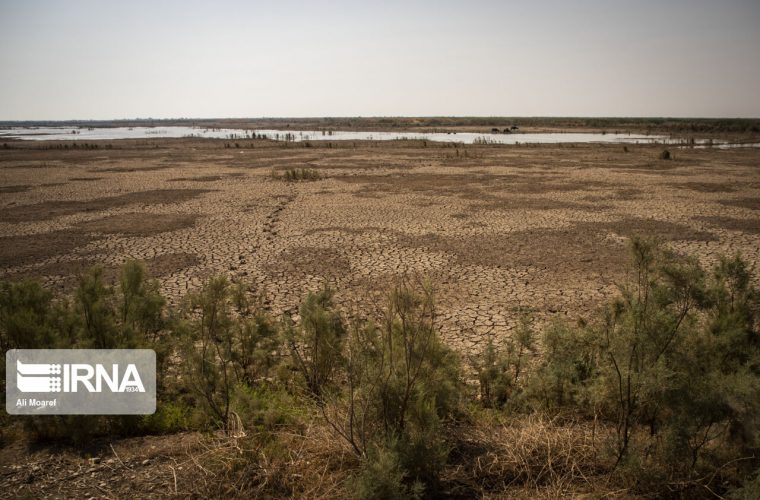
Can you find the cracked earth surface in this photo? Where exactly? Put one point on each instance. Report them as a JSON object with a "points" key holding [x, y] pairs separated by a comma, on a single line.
{"points": [[497, 229]]}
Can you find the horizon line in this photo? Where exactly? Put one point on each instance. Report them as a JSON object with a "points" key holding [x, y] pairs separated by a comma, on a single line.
{"points": [[369, 117]]}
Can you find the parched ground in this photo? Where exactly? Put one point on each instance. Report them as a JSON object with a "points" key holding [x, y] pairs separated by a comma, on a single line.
{"points": [[497, 229]]}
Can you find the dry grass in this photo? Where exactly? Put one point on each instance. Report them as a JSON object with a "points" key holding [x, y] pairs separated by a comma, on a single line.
{"points": [[536, 455], [306, 464], [302, 462]]}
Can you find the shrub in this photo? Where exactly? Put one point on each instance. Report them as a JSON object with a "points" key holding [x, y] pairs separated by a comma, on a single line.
{"points": [[73, 429], [641, 337], [749, 490], [265, 407], [95, 304], [567, 364], [170, 417], [665, 155], [257, 349], [224, 349], [667, 375], [673, 364], [298, 174], [383, 477], [128, 316], [316, 343], [141, 305], [100, 316], [402, 384], [208, 349], [499, 372], [26, 317]]}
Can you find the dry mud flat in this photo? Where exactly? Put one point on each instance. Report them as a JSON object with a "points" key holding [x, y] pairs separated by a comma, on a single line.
{"points": [[497, 229]]}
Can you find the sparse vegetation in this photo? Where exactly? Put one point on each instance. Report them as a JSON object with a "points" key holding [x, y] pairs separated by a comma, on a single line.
{"points": [[316, 344], [402, 387], [672, 367], [298, 175], [659, 394]]}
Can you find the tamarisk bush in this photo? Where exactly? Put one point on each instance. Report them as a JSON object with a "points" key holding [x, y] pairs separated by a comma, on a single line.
{"points": [[316, 344], [401, 385], [224, 349], [673, 363]]}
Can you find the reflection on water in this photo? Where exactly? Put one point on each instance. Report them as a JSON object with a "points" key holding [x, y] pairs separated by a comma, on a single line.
{"points": [[112, 133]]}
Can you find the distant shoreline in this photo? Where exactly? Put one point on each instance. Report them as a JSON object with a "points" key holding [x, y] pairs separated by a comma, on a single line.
{"points": [[681, 126]]}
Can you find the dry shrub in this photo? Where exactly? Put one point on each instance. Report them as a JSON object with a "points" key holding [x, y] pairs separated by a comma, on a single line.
{"points": [[533, 452], [307, 464]]}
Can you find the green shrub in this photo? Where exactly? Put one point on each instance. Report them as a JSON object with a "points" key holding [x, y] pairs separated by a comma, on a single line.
{"points": [[265, 408], [72, 429], [670, 371], [316, 343], [383, 477], [224, 349], [26, 317], [141, 305], [402, 384], [642, 338], [208, 350], [95, 304], [170, 417], [500, 370], [29, 320], [673, 364], [258, 347], [100, 316], [123, 317], [567, 365]]}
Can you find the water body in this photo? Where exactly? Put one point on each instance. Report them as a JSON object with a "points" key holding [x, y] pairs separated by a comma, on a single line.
{"points": [[113, 133]]}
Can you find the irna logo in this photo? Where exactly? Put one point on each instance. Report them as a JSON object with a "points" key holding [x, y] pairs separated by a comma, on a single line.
{"points": [[52, 377], [80, 381]]}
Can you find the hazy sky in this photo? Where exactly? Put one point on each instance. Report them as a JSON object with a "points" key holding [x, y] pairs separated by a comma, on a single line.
{"points": [[127, 59]]}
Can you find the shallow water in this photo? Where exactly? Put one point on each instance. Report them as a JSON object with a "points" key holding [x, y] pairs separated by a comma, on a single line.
{"points": [[112, 133]]}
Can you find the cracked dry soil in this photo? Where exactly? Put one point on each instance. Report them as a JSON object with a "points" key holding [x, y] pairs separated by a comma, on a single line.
{"points": [[496, 228]]}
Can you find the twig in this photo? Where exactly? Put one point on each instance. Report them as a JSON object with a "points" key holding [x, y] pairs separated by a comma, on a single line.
{"points": [[118, 458], [174, 473]]}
